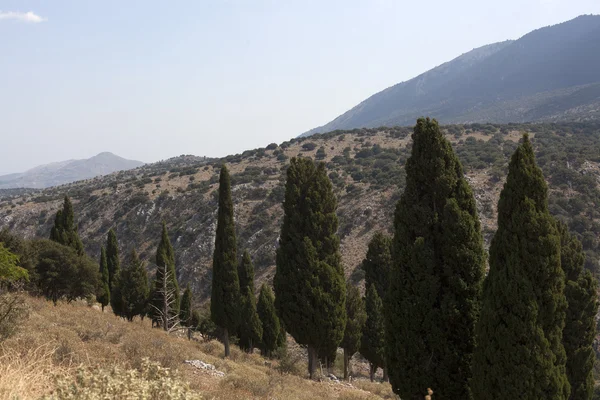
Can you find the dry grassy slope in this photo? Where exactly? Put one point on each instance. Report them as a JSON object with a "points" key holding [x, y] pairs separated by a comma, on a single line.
{"points": [[136, 201], [56, 340]]}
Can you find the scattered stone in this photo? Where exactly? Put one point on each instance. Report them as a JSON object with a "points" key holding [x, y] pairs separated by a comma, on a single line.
{"points": [[199, 364]]}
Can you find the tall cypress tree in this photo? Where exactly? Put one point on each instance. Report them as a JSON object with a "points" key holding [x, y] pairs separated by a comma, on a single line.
{"points": [[309, 280], [103, 295], [378, 263], [435, 286], [372, 345], [112, 257], [271, 328], [185, 308], [113, 265], [519, 336], [225, 295], [164, 295], [64, 230], [250, 329], [133, 281], [581, 292], [355, 321], [246, 272], [185, 311]]}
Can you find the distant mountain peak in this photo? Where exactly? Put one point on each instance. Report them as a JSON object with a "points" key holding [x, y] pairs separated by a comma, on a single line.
{"points": [[62, 172], [549, 74]]}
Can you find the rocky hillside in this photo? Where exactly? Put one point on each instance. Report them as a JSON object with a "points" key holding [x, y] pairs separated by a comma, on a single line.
{"points": [[365, 166], [62, 172], [551, 74]]}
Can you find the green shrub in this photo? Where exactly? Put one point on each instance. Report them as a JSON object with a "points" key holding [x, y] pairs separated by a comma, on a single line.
{"points": [[153, 383]]}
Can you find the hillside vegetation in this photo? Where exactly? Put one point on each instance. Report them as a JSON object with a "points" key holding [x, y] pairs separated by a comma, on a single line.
{"points": [[365, 166]]}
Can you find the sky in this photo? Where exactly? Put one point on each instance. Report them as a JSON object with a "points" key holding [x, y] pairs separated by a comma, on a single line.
{"points": [[150, 80]]}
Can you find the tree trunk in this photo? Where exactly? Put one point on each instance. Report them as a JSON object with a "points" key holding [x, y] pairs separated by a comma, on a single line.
{"points": [[250, 347], [385, 374], [102, 308], [346, 365], [372, 369], [226, 341], [312, 361], [189, 333]]}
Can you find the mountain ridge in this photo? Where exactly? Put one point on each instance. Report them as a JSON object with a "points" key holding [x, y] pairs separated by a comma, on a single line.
{"points": [[499, 75], [63, 172]]}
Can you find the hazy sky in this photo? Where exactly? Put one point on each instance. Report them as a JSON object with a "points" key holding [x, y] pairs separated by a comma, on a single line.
{"points": [[149, 80]]}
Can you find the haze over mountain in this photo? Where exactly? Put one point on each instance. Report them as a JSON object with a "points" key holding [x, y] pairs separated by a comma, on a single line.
{"points": [[62, 172], [550, 74]]}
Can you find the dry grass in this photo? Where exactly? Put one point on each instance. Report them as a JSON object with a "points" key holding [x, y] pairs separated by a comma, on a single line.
{"points": [[56, 341]]}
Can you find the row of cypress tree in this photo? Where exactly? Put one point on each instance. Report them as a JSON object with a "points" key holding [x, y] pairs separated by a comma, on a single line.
{"points": [[430, 316], [233, 304], [126, 289], [524, 331]]}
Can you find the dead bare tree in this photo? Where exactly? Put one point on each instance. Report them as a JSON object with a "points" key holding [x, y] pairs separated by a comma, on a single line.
{"points": [[165, 313]]}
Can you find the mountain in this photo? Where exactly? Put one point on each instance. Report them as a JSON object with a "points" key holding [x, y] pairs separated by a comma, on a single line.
{"points": [[59, 173], [366, 167], [551, 74]]}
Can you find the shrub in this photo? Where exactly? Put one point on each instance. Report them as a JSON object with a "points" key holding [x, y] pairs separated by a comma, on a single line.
{"points": [[153, 382], [309, 146]]}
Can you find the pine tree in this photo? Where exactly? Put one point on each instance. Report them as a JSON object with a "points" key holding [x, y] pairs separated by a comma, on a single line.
{"points": [[103, 295], [356, 317], [185, 310], [309, 280], [581, 292], [519, 350], [113, 265], [372, 345], [433, 299], [133, 283], [271, 328], [250, 329], [378, 263], [225, 295], [64, 230]]}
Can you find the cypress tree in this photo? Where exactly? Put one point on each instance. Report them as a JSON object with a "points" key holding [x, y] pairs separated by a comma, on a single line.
{"points": [[271, 329], [225, 295], [103, 295], [113, 265], [581, 292], [355, 321], [165, 270], [519, 336], [133, 283], [378, 263], [246, 273], [112, 257], [185, 310], [250, 329], [250, 325], [372, 345], [309, 279], [64, 230], [433, 299]]}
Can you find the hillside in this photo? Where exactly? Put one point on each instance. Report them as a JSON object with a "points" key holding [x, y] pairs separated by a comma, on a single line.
{"points": [[551, 74], [55, 340], [365, 166], [62, 172]]}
